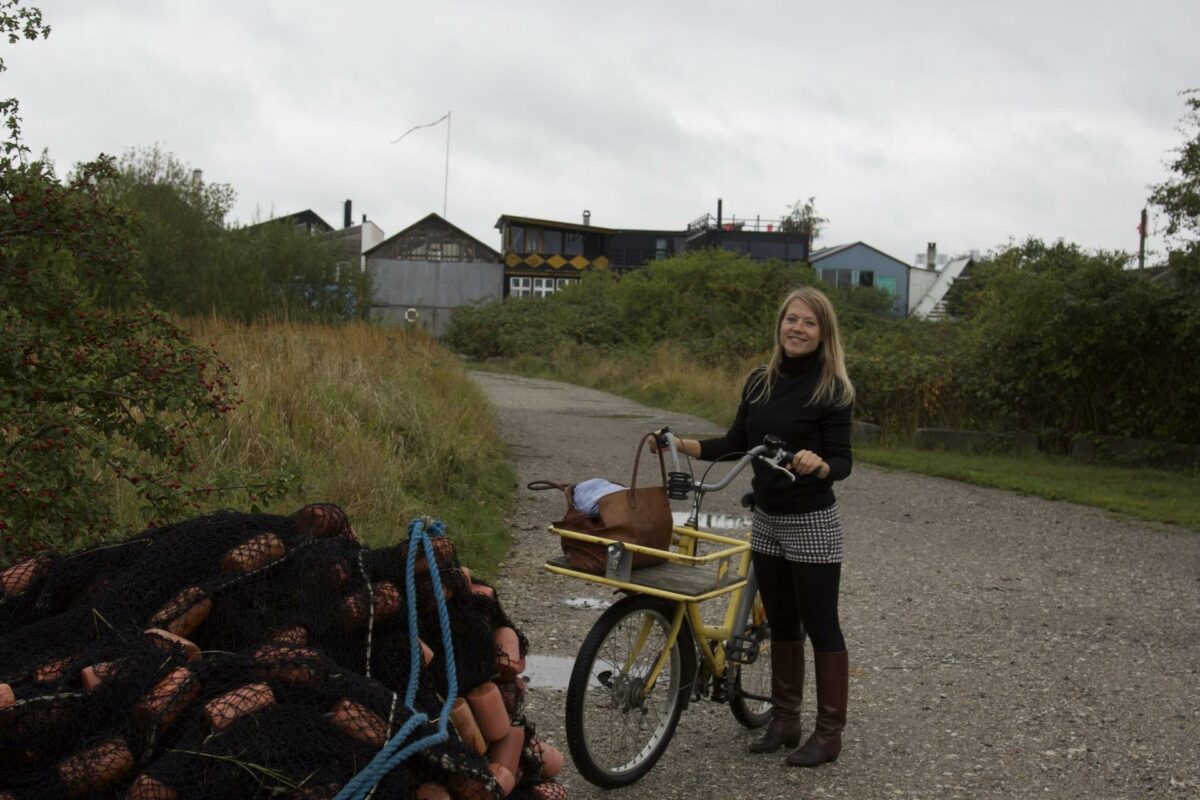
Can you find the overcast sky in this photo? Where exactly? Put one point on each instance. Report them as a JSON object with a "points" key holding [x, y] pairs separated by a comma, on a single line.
{"points": [[964, 122]]}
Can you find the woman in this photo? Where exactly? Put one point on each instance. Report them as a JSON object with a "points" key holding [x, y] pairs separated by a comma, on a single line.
{"points": [[804, 397]]}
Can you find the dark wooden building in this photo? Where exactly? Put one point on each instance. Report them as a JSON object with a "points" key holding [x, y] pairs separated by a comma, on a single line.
{"points": [[542, 256]]}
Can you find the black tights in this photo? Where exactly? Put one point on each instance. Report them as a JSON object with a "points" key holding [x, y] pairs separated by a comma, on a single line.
{"points": [[801, 598]]}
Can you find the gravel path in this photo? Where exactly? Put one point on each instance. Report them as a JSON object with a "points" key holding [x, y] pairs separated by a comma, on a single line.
{"points": [[1001, 646]]}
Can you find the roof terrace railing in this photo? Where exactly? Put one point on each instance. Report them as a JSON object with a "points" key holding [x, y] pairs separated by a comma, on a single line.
{"points": [[757, 224]]}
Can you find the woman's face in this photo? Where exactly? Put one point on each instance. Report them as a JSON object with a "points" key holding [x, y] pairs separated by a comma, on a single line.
{"points": [[799, 331]]}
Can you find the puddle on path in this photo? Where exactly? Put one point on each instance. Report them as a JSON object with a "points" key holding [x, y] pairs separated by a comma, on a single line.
{"points": [[587, 602], [549, 672], [717, 523]]}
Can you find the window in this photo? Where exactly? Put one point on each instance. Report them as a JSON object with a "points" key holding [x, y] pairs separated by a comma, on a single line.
{"points": [[543, 287], [887, 283], [516, 238], [518, 287], [660, 248], [562, 283], [552, 242], [533, 241], [573, 244], [866, 278]]}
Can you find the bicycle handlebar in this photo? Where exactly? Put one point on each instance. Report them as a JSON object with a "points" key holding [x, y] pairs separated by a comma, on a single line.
{"points": [[772, 452]]}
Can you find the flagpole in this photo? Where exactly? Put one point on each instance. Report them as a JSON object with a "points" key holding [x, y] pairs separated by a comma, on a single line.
{"points": [[446, 179], [446, 184]]}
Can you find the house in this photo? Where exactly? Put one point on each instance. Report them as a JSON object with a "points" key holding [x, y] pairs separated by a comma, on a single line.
{"points": [[928, 284], [860, 264], [542, 256], [424, 272], [306, 221], [353, 241]]}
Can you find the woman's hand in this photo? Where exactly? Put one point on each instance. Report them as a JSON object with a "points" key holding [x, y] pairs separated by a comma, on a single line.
{"points": [[806, 462], [685, 447]]}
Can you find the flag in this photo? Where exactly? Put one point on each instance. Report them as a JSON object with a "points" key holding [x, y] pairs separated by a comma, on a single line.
{"points": [[426, 125]]}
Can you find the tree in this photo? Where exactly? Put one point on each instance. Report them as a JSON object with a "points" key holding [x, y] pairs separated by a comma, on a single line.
{"points": [[96, 387], [17, 23], [180, 226], [1179, 197], [1069, 341], [803, 217]]}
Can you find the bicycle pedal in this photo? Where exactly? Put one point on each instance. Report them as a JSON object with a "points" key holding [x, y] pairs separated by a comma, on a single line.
{"points": [[742, 650]]}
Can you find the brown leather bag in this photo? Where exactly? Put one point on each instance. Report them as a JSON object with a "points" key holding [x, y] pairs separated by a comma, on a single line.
{"points": [[635, 515]]}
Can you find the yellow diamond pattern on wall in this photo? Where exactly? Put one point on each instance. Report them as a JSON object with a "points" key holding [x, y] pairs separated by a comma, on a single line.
{"points": [[511, 260], [578, 262], [600, 263], [556, 261], [534, 260]]}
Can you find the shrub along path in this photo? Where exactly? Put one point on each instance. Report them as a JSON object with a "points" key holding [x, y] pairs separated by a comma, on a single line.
{"points": [[1000, 645]]}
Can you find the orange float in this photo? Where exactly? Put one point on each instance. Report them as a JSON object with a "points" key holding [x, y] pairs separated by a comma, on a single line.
{"points": [[359, 722], [183, 613], [507, 751], [167, 700], [223, 711], [168, 640], [509, 663], [253, 554], [92, 769], [146, 788], [464, 722], [487, 706]]}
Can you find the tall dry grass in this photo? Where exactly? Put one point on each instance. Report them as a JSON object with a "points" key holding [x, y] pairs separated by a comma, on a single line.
{"points": [[664, 377], [383, 422]]}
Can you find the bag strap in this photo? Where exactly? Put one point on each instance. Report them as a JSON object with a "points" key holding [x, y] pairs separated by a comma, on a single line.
{"points": [[539, 486], [662, 468]]}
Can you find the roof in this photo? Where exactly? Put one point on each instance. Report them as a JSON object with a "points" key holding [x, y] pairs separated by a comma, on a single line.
{"points": [[549, 223], [307, 215], [826, 252], [439, 219]]}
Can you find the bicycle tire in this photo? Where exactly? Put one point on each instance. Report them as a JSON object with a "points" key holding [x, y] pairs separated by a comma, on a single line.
{"points": [[756, 677], [615, 732]]}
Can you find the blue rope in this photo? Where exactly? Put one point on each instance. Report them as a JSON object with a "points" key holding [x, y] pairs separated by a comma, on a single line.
{"points": [[393, 753]]}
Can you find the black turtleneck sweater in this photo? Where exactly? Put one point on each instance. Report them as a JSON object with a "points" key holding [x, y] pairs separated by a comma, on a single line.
{"points": [[788, 414]]}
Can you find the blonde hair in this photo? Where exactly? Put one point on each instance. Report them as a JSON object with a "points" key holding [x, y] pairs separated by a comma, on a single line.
{"points": [[833, 386]]}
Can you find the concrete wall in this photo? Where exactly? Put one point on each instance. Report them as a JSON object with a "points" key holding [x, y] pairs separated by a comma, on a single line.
{"points": [[433, 288], [920, 282]]}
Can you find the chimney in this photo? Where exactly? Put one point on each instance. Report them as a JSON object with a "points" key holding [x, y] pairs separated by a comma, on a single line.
{"points": [[347, 217], [587, 217], [931, 255], [718, 213], [197, 175]]}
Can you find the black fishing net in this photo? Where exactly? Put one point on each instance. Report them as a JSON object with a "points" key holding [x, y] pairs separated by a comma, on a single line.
{"points": [[250, 655]]}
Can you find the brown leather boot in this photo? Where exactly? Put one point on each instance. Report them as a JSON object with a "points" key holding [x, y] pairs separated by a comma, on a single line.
{"points": [[832, 671], [787, 690]]}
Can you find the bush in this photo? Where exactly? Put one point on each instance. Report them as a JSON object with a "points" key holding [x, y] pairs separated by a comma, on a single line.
{"points": [[90, 391]]}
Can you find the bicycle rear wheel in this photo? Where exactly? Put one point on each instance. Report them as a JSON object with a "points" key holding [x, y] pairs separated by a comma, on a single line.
{"points": [[617, 725], [754, 679]]}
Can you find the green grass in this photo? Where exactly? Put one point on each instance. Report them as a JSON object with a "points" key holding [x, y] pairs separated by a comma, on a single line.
{"points": [[1149, 494], [668, 380]]}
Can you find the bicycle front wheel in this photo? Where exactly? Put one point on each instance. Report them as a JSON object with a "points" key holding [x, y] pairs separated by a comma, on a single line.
{"points": [[618, 722], [753, 680]]}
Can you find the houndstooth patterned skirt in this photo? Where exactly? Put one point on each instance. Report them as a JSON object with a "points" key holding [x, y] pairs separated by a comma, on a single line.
{"points": [[814, 537]]}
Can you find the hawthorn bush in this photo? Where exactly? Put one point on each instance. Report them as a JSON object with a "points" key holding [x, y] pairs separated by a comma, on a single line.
{"points": [[95, 387]]}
